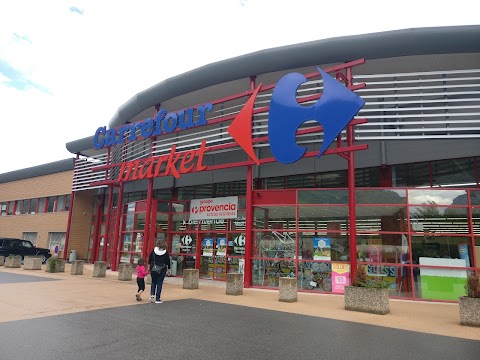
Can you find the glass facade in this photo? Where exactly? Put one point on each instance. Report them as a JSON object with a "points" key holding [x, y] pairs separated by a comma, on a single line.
{"points": [[420, 239], [423, 242]]}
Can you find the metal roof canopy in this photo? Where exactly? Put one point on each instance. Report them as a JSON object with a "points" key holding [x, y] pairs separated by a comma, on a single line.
{"points": [[408, 42]]}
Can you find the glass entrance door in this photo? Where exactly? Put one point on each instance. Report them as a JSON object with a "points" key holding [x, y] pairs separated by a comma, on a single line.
{"points": [[213, 263]]}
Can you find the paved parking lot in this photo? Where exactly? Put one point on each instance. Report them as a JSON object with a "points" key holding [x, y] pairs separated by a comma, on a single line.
{"points": [[80, 317], [196, 329]]}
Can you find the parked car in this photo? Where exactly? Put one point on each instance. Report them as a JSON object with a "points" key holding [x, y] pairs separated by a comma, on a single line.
{"points": [[9, 246]]}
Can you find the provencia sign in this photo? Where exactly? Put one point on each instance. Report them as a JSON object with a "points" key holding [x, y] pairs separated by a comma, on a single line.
{"points": [[214, 208]]}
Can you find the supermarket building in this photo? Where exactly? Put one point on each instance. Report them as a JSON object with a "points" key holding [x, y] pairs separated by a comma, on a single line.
{"points": [[306, 160]]}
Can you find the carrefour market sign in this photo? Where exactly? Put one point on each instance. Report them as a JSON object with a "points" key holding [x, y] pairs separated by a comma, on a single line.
{"points": [[214, 208], [163, 123]]}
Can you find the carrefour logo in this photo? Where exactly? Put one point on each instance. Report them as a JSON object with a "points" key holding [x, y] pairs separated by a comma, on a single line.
{"points": [[333, 111]]}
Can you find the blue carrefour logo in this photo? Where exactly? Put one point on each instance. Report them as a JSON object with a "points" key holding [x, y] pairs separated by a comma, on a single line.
{"points": [[333, 111]]}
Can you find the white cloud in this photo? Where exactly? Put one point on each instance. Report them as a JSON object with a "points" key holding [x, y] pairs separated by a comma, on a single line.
{"points": [[92, 62]]}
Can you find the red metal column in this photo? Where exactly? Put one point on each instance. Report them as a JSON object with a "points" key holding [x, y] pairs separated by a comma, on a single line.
{"points": [[148, 215], [117, 227], [247, 278], [247, 282], [69, 221], [352, 211], [107, 220]]}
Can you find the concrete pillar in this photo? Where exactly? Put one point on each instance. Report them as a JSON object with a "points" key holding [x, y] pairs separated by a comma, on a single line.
{"points": [[13, 261], [32, 263], [54, 265], [2, 260], [77, 267], [99, 269], [125, 272], [234, 284], [287, 289], [190, 279]]}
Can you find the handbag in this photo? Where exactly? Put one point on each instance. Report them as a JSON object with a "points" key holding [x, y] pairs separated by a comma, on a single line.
{"points": [[157, 269]]}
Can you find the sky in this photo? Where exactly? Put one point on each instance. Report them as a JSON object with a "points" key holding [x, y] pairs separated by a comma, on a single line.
{"points": [[67, 66]]}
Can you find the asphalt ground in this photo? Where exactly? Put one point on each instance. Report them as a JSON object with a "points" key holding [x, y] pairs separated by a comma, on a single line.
{"points": [[81, 317], [196, 329]]}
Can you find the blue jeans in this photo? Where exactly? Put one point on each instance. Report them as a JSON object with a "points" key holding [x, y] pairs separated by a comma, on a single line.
{"points": [[157, 283]]}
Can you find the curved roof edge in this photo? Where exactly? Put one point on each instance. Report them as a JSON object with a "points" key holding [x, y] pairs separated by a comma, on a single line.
{"points": [[407, 42], [39, 170]]}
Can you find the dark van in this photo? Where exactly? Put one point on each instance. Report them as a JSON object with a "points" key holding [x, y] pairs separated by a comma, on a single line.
{"points": [[9, 246]]}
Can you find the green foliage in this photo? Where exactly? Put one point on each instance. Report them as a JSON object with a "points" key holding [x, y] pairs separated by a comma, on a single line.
{"points": [[52, 264], [472, 286], [11, 256], [361, 280]]}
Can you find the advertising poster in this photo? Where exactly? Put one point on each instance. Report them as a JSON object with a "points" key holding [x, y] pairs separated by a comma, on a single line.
{"points": [[321, 249], [340, 277], [221, 246], [463, 251], [207, 247]]}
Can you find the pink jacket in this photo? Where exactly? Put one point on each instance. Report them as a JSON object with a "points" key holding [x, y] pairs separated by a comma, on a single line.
{"points": [[141, 271]]}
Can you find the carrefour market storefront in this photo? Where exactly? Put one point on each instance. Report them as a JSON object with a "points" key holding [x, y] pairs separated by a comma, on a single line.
{"points": [[306, 173]]}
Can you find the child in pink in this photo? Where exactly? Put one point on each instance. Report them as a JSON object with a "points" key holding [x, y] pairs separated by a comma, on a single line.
{"points": [[141, 273]]}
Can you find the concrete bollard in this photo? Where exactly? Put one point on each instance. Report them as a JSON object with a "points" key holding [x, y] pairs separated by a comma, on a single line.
{"points": [[287, 289], [234, 284], [77, 267], [190, 279], [32, 263], [13, 261], [99, 269], [125, 272], [55, 265], [2, 260]]}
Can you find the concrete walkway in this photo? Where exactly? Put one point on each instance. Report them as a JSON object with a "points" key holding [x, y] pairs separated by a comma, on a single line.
{"points": [[73, 294]]}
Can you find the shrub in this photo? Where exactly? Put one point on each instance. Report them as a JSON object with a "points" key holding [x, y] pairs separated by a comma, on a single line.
{"points": [[472, 286], [361, 280], [52, 263], [11, 256]]}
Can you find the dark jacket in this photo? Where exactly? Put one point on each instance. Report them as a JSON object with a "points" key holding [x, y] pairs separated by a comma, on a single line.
{"points": [[163, 259]]}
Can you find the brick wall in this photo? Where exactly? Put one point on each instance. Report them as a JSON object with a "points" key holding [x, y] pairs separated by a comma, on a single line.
{"points": [[15, 225], [36, 187], [81, 222]]}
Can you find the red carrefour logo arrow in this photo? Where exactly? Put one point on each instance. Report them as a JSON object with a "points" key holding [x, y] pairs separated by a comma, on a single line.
{"points": [[241, 127]]}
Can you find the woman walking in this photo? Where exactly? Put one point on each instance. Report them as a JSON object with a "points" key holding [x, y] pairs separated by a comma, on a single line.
{"points": [[159, 262]]}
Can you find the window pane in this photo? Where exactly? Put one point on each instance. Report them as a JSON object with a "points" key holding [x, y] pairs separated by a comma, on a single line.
{"points": [[61, 203], [56, 239], [435, 219], [459, 172], [382, 218], [51, 203], [33, 206], [26, 206], [18, 207], [323, 197], [412, 174], [381, 196], [11, 205], [41, 205], [437, 197], [3, 209]]}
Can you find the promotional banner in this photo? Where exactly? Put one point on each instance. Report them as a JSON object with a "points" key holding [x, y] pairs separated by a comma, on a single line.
{"points": [[463, 251], [340, 277], [221, 246], [321, 249], [207, 247], [214, 208]]}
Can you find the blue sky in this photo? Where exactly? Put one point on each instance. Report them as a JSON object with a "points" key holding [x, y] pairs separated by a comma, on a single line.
{"points": [[66, 66]]}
